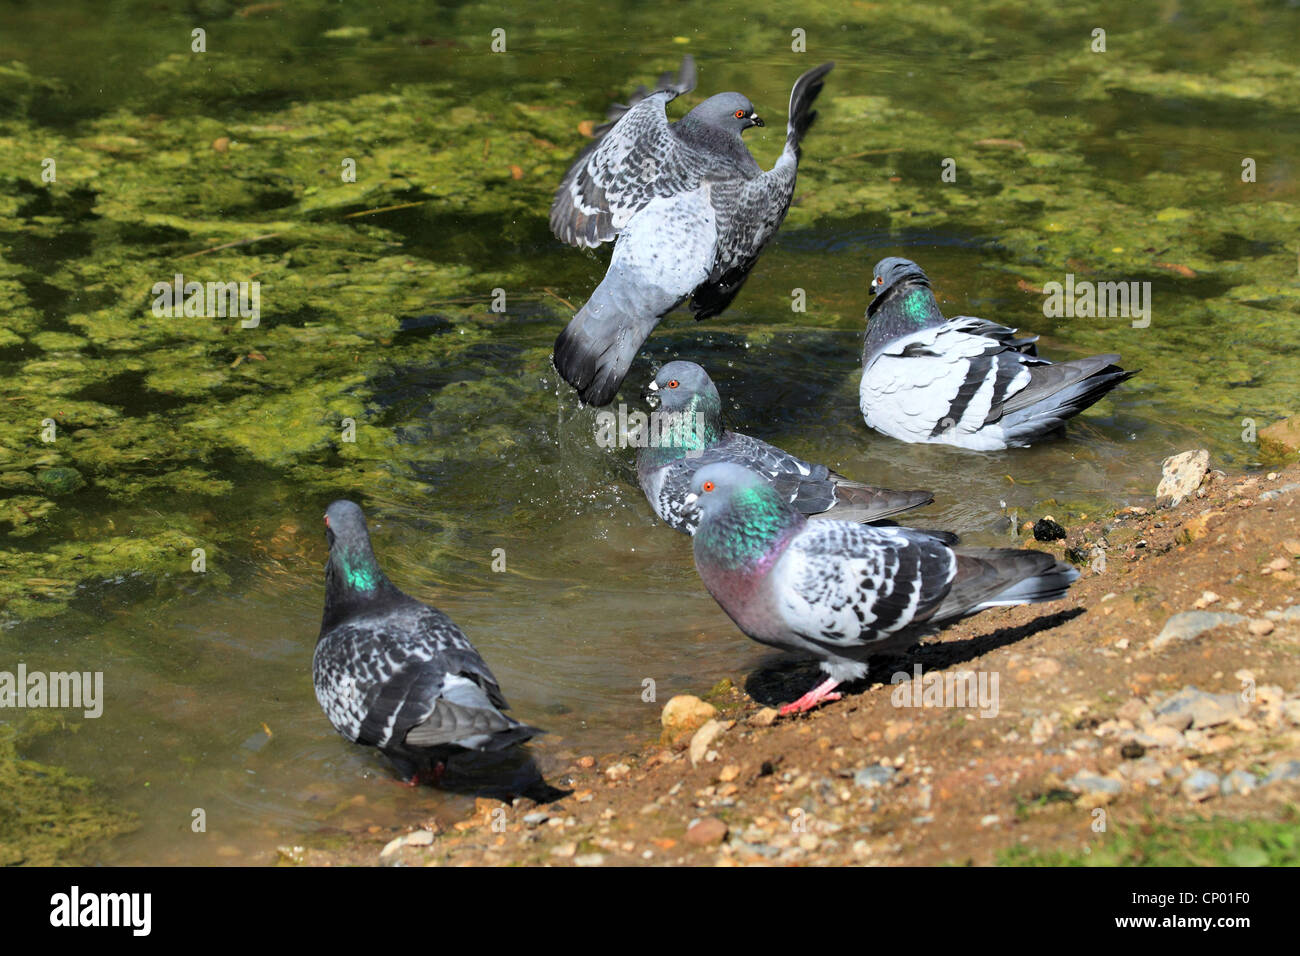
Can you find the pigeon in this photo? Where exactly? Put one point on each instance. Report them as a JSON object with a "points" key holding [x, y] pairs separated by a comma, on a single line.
{"points": [[396, 674], [839, 591], [689, 209], [964, 381], [690, 435]]}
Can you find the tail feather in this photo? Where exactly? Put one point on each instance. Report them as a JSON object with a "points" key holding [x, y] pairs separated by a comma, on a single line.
{"points": [[594, 354], [802, 96], [998, 577], [1059, 392]]}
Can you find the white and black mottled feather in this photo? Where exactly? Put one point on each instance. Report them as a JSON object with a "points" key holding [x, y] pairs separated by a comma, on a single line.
{"points": [[689, 209], [396, 674], [964, 381]]}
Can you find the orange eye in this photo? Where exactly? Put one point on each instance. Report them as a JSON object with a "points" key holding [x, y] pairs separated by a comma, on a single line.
{"points": [[674, 383], [740, 114], [707, 486], [879, 281]]}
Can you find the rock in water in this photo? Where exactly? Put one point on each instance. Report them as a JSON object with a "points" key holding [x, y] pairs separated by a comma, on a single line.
{"points": [[694, 437], [963, 381], [1180, 476], [689, 207], [396, 674], [841, 592]]}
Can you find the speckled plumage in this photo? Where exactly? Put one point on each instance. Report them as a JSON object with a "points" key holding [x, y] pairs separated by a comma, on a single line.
{"points": [[690, 209], [963, 381], [841, 592], [396, 674], [665, 470]]}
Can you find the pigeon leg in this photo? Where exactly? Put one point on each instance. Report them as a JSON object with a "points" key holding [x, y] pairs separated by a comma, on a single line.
{"points": [[819, 694]]}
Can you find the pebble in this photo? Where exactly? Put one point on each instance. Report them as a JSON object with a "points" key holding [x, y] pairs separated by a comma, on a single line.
{"points": [[418, 838], [1180, 476], [1239, 781], [706, 832], [703, 739], [868, 778], [1048, 529], [685, 713], [765, 717], [536, 818], [1189, 625], [1201, 785], [1262, 627], [1196, 708], [989, 819], [1090, 784], [1287, 770], [589, 859]]}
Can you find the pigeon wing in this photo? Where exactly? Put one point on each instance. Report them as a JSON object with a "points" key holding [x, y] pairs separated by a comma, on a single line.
{"points": [[634, 160]]}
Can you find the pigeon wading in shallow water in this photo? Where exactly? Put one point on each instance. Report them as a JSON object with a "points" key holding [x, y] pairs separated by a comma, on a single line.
{"points": [[690, 211], [396, 674], [695, 438], [963, 381], [842, 592]]}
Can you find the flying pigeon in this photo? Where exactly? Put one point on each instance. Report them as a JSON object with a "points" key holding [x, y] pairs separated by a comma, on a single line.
{"points": [[842, 592], [396, 674], [691, 435], [964, 381], [690, 211]]}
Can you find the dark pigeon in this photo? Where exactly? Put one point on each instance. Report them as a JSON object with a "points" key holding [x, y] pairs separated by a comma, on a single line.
{"points": [[842, 592], [690, 211], [694, 437], [396, 674], [964, 381]]}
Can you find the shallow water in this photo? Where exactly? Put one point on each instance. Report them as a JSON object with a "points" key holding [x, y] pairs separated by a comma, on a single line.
{"points": [[1126, 166]]}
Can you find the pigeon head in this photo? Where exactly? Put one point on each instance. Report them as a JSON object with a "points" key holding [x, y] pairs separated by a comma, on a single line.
{"points": [[681, 384], [893, 271], [742, 518], [726, 111], [352, 574]]}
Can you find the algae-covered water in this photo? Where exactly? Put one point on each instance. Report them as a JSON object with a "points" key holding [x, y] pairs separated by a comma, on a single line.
{"points": [[411, 307]]}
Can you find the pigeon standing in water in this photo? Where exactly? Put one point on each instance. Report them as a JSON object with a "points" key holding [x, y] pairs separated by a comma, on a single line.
{"points": [[692, 436], [963, 381], [690, 211], [842, 592], [396, 674]]}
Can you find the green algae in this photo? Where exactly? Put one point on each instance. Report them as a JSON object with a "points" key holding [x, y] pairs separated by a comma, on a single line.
{"points": [[49, 817]]}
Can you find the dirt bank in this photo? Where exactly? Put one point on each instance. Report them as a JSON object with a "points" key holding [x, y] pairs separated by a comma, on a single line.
{"points": [[1108, 732]]}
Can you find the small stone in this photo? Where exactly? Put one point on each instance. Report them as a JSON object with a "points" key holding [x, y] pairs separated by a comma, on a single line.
{"points": [[1189, 625], [565, 850], [706, 832], [684, 714], [1047, 529], [1239, 781], [1180, 476], [536, 818], [1200, 785], [586, 763], [1206, 599], [1132, 750], [764, 718], [729, 773], [809, 842], [1196, 708], [589, 859], [618, 771], [1093, 786], [1288, 770], [869, 778], [703, 739], [989, 819], [1262, 626]]}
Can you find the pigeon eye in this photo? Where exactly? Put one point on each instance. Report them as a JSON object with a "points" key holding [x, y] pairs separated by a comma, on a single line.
{"points": [[740, 114], [674, 383], [878, 281], [707, 486]]}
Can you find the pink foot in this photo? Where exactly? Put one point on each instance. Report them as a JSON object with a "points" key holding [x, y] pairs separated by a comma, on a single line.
{"points": [[433, 777], [819, 694]]}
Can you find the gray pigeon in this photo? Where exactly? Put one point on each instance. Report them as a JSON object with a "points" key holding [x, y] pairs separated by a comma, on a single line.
{"points": [[842, 592], [396, 674], [963, 381], [694, 437], [690, 211]]}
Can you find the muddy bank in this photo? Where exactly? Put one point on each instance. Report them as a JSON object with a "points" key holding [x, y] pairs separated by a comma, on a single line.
{"points": [[1154, 717]]}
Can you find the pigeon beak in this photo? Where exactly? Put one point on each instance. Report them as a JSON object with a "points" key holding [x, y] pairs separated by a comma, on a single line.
{"points": [[653, 386], [690, 499], [756, 119]]}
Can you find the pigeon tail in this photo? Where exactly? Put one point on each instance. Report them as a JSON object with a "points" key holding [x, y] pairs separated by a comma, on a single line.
{"points": [[855, 501], [802, 97], [1000, 577], [1059, 392], [594, 352]]}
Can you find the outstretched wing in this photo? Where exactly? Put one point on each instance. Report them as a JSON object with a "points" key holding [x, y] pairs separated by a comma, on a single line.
{"points": [[632, 161], [751, 210]]}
